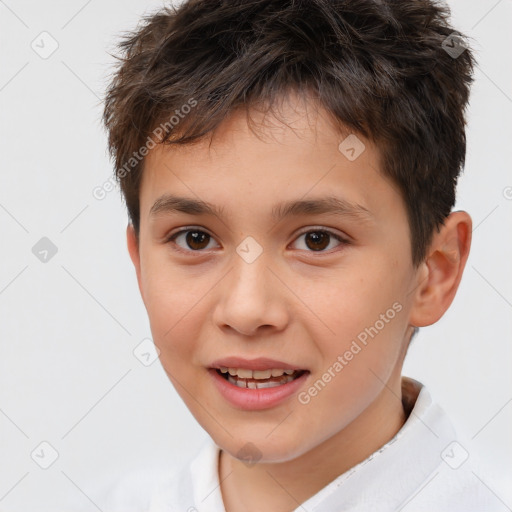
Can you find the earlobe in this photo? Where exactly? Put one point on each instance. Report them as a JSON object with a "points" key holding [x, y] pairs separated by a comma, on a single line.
{"points": [[133, 249], [440, 274]]}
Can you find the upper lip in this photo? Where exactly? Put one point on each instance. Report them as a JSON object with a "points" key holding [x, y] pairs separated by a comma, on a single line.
{"points": [[260, 363]]}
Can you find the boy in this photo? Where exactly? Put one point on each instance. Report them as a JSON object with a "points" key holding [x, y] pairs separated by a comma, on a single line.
{"points": [[289, 169]]}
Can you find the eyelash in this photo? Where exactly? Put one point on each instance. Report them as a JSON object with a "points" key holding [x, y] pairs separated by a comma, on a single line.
{"points": [[172, 237]]}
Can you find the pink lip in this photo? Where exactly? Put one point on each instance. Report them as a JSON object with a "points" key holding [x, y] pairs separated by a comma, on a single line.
{"points": [[261, 363], [256, 399]]}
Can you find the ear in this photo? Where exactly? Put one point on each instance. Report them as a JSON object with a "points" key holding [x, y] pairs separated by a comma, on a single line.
{"points": [[133, 248], [439, 275]]}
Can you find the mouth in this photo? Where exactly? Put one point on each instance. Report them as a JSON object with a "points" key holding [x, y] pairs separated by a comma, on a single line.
{"points": [[258, 379], [256, 384]]}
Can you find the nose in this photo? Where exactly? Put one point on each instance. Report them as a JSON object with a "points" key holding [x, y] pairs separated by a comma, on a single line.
{"points": [[251, 299]]}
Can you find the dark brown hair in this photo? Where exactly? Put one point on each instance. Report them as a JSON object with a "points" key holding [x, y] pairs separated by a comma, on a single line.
{"points": [[380, 68]]}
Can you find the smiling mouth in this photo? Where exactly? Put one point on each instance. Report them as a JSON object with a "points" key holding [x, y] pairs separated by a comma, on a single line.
{"points": [[258, 379]]}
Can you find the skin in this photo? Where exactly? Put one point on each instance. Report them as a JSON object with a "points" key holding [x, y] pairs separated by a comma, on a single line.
{"points": [[293, 303]]}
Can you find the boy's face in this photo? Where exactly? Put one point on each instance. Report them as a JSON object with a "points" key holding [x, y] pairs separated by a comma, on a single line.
{"points": [[248, 285]]}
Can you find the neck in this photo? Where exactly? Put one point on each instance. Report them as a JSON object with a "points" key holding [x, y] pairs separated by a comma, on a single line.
{"points": [[284, 486]]}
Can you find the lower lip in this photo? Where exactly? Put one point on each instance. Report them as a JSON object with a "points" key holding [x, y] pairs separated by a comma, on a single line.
{"points": [[256, 399]]}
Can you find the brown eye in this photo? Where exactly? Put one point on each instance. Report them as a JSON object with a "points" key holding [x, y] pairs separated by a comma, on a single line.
{"points": [[190, 240], [197, 239], [319, 240]]}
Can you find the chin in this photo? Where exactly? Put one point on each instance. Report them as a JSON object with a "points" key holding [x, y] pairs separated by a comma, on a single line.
{"points": [[255, 447]]}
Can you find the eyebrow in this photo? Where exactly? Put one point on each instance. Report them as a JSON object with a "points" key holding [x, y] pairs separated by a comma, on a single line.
{"points": [[168, 204]]}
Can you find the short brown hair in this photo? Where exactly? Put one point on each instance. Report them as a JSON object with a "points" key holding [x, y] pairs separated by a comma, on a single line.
{"points": [[381, 68]]}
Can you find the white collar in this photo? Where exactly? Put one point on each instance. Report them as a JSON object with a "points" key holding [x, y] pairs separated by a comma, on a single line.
{"points": [[415, 451]]}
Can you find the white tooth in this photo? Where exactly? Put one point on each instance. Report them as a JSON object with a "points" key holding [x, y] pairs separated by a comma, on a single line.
{"points": [[232, 371], [223, 369], [236, 382], [277, 373], [289, 372], [268, 384], [251, 384], [243, 373], [261, 374]]}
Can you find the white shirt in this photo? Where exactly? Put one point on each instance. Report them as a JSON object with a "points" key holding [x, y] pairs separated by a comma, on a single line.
{"points": [[422, 469]]}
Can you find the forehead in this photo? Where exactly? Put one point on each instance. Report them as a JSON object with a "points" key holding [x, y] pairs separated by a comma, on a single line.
{"points": [[268, 161]]}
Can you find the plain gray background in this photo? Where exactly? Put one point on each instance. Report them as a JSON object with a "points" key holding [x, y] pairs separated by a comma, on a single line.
{"points": [[69, 325]]}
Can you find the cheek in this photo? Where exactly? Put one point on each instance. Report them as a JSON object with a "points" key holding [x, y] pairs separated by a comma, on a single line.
{"points": [[363, 317], [173, 302], [348, 302]]}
